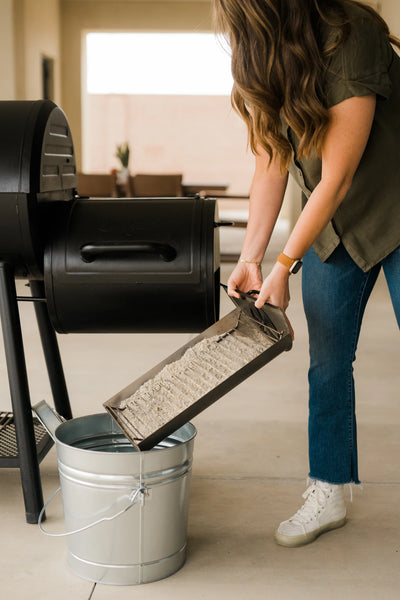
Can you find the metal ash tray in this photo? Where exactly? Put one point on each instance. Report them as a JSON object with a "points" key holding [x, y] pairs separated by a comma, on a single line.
{"points": [[200, 372]]}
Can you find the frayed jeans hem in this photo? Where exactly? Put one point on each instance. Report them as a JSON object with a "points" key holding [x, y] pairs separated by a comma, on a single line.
{"points": [[350, 481]]}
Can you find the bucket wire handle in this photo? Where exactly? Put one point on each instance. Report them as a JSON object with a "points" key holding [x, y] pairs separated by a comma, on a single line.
{"points": [[132, 500]]}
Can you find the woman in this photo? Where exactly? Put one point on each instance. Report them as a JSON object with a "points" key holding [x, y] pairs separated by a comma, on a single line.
{"points": [[318, 84]]}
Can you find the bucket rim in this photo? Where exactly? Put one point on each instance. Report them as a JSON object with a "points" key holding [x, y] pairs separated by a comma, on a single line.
{"points": [[104, 416]]}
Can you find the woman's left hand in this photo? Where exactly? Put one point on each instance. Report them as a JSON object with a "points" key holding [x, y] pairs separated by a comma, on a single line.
{"points": [[275, 290]]}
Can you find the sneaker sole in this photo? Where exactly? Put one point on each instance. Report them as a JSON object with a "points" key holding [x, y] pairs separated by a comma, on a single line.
{"points": [[294, 541]]}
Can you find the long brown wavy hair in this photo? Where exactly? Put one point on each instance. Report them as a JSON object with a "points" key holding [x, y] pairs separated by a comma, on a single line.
{"points": [[278, 54]]}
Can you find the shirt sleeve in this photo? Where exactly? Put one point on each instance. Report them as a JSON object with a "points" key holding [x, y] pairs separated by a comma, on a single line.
{"points": [[361, 64]]}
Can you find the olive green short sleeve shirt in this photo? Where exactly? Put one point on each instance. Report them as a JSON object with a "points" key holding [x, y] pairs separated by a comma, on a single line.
{"points": [[368, 220]]}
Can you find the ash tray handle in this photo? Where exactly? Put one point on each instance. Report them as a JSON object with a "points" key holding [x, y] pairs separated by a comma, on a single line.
{"points": [[48, 417], [90, 252], [245, 302]]}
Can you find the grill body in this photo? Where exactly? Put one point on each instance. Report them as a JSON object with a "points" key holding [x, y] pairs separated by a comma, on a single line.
{"points": [[133, 265]]}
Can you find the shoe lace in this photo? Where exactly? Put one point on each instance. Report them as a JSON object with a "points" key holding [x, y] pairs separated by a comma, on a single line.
{"points": [[315, 497]]}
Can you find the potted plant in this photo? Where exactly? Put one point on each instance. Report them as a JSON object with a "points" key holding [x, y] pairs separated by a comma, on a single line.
{"points": [[123, 154], [122, 176]]}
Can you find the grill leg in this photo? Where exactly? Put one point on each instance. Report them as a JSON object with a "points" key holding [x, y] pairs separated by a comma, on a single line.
{"points": [[51, 353], [20, 398]]}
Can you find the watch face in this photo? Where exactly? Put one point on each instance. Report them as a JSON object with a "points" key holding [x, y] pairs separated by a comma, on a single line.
{"points": [[296, 266]]}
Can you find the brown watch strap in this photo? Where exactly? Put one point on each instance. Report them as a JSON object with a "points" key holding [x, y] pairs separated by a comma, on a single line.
{"points": [[286, 260], [292, 264]]}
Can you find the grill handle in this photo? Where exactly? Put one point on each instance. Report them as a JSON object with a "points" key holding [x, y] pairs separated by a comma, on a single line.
{"points": [[224, 223], [90, 252]]}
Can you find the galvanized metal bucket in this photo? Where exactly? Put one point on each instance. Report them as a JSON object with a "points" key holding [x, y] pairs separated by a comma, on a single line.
{"points": [[125, 511]]}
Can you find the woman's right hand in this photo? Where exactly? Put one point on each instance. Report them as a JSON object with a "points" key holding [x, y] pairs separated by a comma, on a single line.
{"points": [[244, 277]]}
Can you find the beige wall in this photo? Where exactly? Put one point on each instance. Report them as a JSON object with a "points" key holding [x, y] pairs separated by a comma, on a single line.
{"points": [[198, 136], [29, 29], [7, 66], [36, 34], [390, 10], [78, 17]]}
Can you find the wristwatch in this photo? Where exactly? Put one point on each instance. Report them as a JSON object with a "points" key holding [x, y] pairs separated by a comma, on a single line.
{"points": [[293, 264]]}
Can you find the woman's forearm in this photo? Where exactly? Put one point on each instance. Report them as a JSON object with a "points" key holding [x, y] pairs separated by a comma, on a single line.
{"points": [[315, 216], [266, 197]]}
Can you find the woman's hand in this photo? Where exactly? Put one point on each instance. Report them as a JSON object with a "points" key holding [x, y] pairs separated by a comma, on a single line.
{"points": [[244, 277], [275, 290]]}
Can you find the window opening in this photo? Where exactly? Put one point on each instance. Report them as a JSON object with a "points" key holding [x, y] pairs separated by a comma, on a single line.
{"points": [[157, 64]]}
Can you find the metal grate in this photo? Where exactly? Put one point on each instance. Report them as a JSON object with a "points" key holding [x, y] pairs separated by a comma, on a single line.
{"points": [[9, 455]]}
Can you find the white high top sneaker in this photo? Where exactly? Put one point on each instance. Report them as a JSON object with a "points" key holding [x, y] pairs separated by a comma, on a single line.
{"points": [[323, 510]]}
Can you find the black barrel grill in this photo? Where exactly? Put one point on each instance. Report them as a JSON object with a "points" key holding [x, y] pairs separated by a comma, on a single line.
{"points": [[93, 265], [133, 265]]}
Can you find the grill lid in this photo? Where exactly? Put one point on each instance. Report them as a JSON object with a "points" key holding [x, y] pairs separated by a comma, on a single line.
{"points": [[36, 149], [37, 171], [199, 373]]}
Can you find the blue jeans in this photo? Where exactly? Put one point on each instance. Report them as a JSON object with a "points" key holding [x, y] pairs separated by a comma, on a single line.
{"points": [[335, 294]]}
